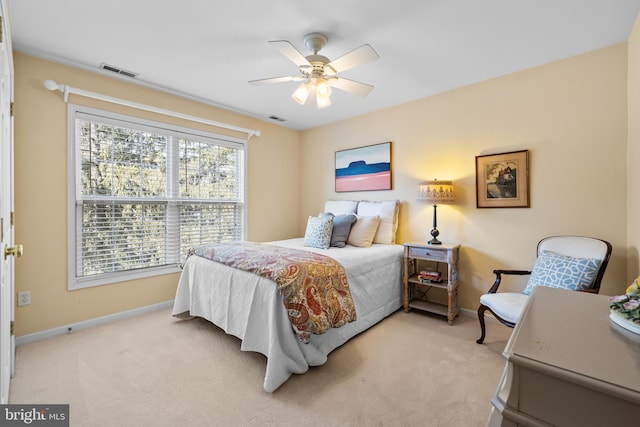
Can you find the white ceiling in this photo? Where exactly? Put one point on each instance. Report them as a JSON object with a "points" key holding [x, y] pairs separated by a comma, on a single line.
{"points": [[209, 49]]}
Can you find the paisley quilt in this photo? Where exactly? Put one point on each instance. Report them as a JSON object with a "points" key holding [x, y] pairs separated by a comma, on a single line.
{"points": [[313, 286]]}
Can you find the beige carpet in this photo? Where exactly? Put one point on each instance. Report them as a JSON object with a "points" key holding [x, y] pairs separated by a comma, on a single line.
{"points": [[412, 369]]}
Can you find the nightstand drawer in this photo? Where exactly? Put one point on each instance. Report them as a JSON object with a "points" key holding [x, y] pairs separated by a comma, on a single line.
{"points": [[431, 254]]}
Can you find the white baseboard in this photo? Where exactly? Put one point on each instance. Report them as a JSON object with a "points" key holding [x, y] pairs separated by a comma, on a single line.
{"points": [[37, 336]]}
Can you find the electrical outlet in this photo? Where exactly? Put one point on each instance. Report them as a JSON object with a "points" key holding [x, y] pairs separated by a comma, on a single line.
{"points": [[24, 298]]}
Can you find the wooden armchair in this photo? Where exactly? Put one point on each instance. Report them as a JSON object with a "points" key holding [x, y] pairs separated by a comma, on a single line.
{"points": [[569, 262]]}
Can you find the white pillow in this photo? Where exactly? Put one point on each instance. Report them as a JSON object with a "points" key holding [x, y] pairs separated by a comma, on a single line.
{"points": [[340, 207], [363, 231], [388, 213]]}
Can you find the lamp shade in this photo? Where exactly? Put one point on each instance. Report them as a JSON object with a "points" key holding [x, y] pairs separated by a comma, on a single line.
{"points": [[436, 192]]}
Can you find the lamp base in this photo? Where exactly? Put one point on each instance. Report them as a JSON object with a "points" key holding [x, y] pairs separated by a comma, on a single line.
{"points": [[434, 234]]}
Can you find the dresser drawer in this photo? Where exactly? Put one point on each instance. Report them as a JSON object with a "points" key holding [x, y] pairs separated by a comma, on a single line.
{"points": [[427, 253]]}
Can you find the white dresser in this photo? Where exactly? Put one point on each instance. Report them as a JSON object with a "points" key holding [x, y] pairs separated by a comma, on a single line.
{"points": [[568, 364]]}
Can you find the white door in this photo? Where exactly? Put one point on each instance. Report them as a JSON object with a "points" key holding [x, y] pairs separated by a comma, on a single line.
{"points": [[8, 250]]}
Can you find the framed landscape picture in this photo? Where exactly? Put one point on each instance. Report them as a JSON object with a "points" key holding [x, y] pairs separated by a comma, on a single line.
{"points": [[364, 168], [502, 180]]}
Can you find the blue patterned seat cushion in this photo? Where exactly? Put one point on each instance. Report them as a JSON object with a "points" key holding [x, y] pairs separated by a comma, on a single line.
{"points": [[318, 232], [562, 271]]}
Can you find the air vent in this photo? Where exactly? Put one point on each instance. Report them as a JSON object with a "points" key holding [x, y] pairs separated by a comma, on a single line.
{"points": [[118, 70], [276, 118]]}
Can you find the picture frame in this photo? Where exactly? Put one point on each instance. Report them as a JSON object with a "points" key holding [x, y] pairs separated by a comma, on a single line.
{"points": [[365, 168], [502, 180]]}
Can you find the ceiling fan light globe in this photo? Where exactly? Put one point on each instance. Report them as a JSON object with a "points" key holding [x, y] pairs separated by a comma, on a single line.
{"points": [[323, 101], [302, 93], [322, 88]]}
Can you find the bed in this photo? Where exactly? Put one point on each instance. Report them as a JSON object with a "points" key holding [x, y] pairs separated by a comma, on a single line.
{"points": [[251, 307]]}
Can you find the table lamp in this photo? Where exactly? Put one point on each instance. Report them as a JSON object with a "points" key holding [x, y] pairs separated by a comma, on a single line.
{"points": [[436, 192]]}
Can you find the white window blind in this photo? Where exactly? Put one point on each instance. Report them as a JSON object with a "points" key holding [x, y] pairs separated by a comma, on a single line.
{"points": [[145, 193]]}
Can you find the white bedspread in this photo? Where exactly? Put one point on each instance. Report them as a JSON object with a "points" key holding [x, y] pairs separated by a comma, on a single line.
{"points": [[250, 307]]}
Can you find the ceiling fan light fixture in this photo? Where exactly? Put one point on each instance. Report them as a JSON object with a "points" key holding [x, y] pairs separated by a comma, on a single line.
{"points": [[322, 88], [302, 93], [323, 93], [323, 101], [318, 71]]}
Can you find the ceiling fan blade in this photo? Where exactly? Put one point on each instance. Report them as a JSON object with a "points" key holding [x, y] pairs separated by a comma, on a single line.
{"points": [[364, 53], [350, 86], [288, 50], [276, 80]]}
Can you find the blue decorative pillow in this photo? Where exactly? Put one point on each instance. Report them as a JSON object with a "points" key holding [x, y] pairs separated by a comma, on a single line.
{"points": [[341, 229], [318, 233], [562, 271]]}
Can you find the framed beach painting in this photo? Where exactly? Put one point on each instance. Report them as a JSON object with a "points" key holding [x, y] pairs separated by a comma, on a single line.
{"points": [[364, 168], [502, 180]]}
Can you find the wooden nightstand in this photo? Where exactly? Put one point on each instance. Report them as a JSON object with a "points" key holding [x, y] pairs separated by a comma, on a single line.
{"points": [[415, 289]]}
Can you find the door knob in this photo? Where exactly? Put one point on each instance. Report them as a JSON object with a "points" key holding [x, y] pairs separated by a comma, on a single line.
{"points": [[16, 251]]}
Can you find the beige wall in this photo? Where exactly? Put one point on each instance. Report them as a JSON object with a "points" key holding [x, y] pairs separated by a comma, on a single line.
{"points": [[41, 191], [572, 117], [633, 156]]}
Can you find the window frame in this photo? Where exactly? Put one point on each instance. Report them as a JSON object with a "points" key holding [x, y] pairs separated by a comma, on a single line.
{"points": [[73, 157]]}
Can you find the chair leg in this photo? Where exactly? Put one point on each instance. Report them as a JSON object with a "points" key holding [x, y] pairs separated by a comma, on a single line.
{"points": [[481, 311]]}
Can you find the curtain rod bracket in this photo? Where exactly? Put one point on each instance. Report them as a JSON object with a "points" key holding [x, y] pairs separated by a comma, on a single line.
{"points": [[66, 90]]}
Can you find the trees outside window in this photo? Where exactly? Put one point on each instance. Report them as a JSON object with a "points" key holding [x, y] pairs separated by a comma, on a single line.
{"points": [[146, 192]]}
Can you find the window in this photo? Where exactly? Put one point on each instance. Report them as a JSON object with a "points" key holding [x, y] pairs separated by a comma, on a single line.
{"points": [[142, 193]]}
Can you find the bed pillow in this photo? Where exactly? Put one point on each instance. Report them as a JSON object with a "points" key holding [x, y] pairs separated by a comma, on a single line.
{"points": [[363, 231], [318, 232], [562, 271], [388, 213], [341, 229], [340, 207]]}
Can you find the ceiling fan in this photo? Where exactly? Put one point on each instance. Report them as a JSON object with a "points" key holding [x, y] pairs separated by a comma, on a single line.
{"points": [[318, 73]]}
